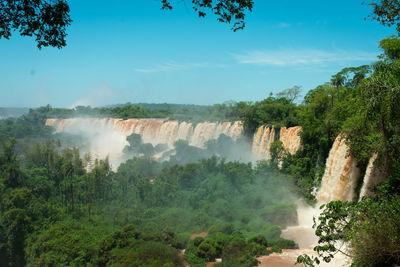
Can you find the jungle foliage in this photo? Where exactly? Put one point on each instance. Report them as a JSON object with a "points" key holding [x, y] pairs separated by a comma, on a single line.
{"points": [[55, 211], [369, 228]]}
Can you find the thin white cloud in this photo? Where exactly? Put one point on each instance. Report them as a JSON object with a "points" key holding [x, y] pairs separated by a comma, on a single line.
{"points": [[284, 25], [292, 57], [171, 66]]}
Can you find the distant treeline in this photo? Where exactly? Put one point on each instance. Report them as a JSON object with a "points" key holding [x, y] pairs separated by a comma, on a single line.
{"points": [[275, 111], [12, 112], [54, 211]]}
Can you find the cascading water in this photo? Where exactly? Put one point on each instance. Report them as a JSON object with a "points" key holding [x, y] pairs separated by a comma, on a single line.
{"points": [[108, 136], [374, 174], [304, 236], [290, 139], [341, 174], [265, 136], [154, 131], [302, 233], [262, 141], [338, 183], [105, 140], [203, 132], [163, 131]]}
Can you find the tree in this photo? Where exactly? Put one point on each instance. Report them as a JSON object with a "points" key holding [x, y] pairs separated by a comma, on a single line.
{"points": [[391, 48], [47, 20], [9, 165], [227, 11], [369, 229], [135, 141], [380, 96], [65, 243], [291, 94], [278, 152], [19, 210], [338, 81], [15, 221], [386, 12]]}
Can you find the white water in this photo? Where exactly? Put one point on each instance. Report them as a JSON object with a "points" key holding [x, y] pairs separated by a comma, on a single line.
{"points": [[341, 174], [338, 183], [108, 136], [290, 139], [262, 141], [154, 131], [265, 136], [374, 175]]}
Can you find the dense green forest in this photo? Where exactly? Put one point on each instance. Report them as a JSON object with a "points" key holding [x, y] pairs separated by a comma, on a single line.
{"points": [[57, 211]]}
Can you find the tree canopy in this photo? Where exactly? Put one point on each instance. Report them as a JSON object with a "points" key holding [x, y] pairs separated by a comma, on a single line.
{"points": [[386, 12], [47, 20], [227, 11]]}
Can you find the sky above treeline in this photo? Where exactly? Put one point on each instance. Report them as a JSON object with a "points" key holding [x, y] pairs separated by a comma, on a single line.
{"points": [[132, 51]]}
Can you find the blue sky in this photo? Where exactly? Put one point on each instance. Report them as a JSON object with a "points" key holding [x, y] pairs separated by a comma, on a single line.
{"points": [[132, 51]]}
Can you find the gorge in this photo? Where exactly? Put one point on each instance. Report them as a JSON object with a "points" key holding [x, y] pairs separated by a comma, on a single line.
{"points": [[339, 182]]}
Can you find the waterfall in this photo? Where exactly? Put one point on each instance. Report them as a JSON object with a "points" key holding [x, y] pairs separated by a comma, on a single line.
{"points": [[341, 174], [203, 132], [290, 139], [163, 131], [265, 136], [154, 131], [108, 135], [105, 140], [235, 130], [373, 176], [185, 130], [262, 141], [338, 183]]}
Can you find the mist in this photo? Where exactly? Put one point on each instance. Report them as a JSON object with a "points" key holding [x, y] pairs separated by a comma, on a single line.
{"points": [[158, 138], [196, 144], [177, 167], [96, 140]]}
